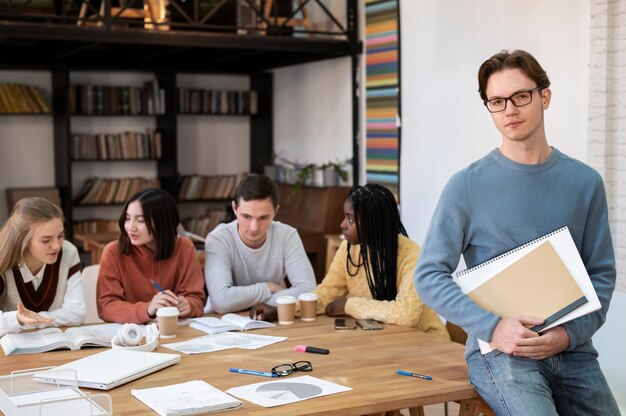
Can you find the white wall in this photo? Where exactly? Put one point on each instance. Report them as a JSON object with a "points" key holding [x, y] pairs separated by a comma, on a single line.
{"points": [[26, 142], [313, 112], [445, 125]]}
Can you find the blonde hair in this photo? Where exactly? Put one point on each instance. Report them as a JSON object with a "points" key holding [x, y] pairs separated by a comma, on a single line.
{"points": [[17, 231]]}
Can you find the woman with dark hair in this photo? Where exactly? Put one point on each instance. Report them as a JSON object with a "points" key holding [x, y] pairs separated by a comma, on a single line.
{"points": [[149, 249], [40, 280], [371, 276]]}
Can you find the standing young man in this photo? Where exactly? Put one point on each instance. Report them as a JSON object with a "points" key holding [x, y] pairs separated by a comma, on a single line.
{"points": [[248, 259], [516, 193]]}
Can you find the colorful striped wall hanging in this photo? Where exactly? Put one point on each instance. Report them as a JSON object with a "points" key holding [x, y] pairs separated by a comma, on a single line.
{"points": [[382, 44]]}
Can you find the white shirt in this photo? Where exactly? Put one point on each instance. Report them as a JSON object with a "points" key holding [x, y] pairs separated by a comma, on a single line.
{"points": [[72, 312]]}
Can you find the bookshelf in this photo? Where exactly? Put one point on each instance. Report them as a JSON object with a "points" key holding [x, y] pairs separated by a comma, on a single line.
{"points": [[192, 135], [62, 47], [92, 104]]}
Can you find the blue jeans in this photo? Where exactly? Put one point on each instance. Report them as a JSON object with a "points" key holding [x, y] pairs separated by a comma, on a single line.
{"points": [[569, 383]]}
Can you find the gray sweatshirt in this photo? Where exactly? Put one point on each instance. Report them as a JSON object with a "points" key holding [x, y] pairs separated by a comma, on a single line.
{"points": [[235, 274]]}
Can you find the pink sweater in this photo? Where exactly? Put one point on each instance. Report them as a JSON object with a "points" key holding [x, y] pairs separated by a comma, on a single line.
{"points": [[124, 288]]}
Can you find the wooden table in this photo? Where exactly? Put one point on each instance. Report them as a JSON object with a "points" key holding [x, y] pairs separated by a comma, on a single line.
{"points": [[363, 360]]}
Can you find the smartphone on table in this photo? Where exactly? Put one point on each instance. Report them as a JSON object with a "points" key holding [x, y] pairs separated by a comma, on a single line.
{"points": [[345, 323], [369, 324]]}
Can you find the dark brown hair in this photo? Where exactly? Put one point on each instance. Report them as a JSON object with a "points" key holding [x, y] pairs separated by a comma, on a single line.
{"points": [[510, 60], [160, 214], [256, 187]]}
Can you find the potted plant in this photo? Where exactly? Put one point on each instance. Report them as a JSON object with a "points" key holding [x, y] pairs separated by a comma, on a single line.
{"points": [[333, 171], [271, 169], [303, 176]]}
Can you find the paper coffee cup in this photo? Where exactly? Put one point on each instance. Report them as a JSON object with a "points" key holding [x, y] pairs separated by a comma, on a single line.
{"points": [[308, 306], [286, 309], [167, 319]]}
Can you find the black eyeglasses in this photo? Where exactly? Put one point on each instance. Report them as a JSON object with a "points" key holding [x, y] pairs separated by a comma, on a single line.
{"points": [[519, 99], [287, 369]]}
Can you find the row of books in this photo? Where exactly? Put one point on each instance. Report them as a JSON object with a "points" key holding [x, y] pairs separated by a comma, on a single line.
{"points": [[93, 226], [195, 101], [203, 225], [102, 191], [113, 146], [112, 100], [198, 187], [21, 98]]}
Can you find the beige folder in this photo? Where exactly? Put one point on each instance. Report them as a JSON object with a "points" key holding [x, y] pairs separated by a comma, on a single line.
{"points": [[538, 284]]}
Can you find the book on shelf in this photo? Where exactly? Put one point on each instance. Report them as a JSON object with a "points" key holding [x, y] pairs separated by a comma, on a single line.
{"points": [[50, 339], [117, 100], [21, 98], [194, 187], [229, 322], [95, 226], [203, 225], [196, 101], [194, 190], [97, 191], [193, 397], [208, 187]]}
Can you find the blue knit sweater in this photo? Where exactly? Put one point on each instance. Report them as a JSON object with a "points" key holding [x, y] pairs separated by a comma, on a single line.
{"points": [[496, 204]]}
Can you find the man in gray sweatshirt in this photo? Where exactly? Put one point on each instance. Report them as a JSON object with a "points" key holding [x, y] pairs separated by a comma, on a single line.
{"points": [[248, 259]]}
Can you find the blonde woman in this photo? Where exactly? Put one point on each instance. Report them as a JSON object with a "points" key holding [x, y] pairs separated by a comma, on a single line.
{"points": [[40, 283]]}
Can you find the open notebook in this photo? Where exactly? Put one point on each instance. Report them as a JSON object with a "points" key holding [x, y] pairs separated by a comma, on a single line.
{"points": [[112, 368]]}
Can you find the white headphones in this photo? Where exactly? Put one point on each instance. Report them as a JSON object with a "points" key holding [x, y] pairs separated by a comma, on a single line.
{"points": [[130, 336]]}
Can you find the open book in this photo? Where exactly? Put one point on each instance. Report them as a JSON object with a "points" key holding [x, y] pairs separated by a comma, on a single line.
{"points": [[49, 339], [228, 322], [191, 398]]}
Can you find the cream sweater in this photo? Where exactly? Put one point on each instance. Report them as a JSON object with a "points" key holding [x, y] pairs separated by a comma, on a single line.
{"points": [[406, 309]]}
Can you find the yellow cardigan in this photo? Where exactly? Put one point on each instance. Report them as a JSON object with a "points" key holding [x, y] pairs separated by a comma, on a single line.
{"points": [[406, 309]]}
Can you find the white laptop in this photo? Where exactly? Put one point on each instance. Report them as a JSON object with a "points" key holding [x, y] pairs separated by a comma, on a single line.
{"points": [[112, 368]]}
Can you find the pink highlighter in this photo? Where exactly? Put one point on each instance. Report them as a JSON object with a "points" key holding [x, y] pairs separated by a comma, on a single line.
{"points": [[304, 348]]}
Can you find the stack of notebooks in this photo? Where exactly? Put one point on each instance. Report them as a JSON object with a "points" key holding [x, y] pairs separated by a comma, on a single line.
{"points": [[544, 278]]}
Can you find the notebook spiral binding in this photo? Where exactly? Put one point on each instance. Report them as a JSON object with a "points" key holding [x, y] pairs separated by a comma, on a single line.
{"points": [[500, 256]]}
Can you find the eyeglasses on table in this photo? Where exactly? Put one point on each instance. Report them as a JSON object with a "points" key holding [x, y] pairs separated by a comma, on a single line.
{"points": [[283, 370]]}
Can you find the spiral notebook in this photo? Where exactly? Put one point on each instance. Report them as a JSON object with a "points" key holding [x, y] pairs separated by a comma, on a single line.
{"points": [[545, 278]]}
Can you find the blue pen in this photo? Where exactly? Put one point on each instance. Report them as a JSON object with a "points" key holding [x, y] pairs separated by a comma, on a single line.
{"points": [[155, 284], [252, 372], [409, 374]]}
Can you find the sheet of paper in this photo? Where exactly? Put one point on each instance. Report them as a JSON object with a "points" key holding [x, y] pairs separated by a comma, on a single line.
{"points": [[287, 390], [192, 397], [223, 341]]}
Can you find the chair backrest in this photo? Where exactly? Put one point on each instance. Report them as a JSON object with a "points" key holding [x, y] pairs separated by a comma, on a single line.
{"points": [[15, 194], [457, 334], [90, 281]]}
